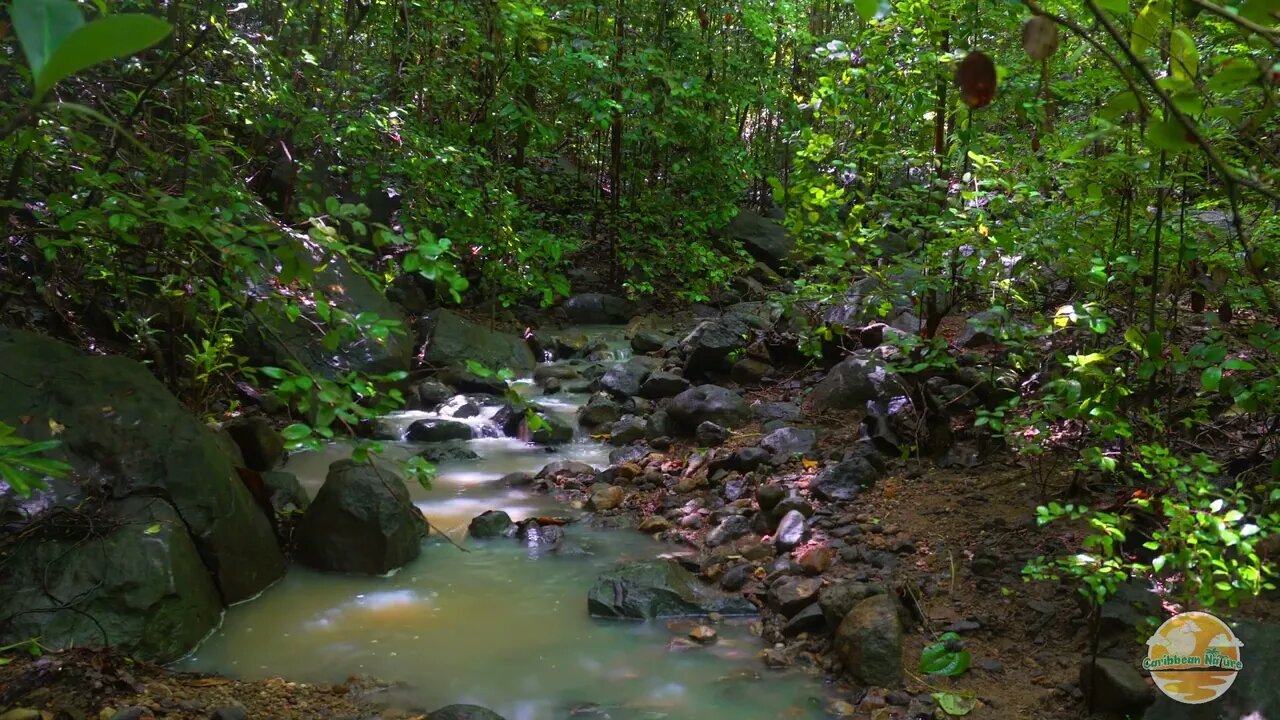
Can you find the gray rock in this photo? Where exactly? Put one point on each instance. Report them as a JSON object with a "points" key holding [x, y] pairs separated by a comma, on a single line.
{"points": [[710, 343], [539, 537], [791, 529], [707, 403], [547, 429], [709, 434], [869, 642], [736, 577], [789, 595], [464, 712], [982, 329], [749, 371], [451, 340], [766, 411], [764, 239], [260, 445], [768, 496], [468, 382], [729, 529], [648, 341], [229, 712], [122, 430], [599, 309], [744, 459], [516, 479], [855, 380], [565, 468], [808, 620], [437, 431], [843, 481], [662, 384], [1114, 685], [285, 491], [627, 430], [428, 394], [838, 599], [789, 441], [623, 380], [793, 502], [657, 589], [491, 524], [630, 453], [136, 584], [659, 425], [361, 521], [600, 411]]}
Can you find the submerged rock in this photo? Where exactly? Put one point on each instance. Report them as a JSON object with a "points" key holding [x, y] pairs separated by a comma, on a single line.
{"points": [[491, 524], [464, 712], [361, 521], [657, 589]]}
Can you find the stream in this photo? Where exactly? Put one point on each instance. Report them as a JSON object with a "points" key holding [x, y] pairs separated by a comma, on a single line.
{"points": [[500, 626]]}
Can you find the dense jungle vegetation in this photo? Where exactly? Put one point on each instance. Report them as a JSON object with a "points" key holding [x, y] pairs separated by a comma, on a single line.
{"points": [[1101, 176]]}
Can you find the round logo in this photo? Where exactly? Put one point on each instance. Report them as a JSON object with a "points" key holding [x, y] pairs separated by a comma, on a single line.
{"points": [[1193, 657]]}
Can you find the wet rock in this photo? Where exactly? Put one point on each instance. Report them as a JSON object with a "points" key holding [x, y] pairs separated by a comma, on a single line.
{"points": [[793, 502], [788, 441], [599, 309], [791, 530], [492, 524], [789, 595], [808, 620], [631, 453], [839, 599], [516, 479], [361, 521], [647, 341], [464, 712], [654, 523], [628, 430], [606, 497], [843, 481], [709, 434], [869, 642], [729, 529], [536, 536], [1115, 685], [565, 469], [427, 394], [451, 340], [150, 592], [657, 589], [130, 713], [768, 496], [707, 403], [662, 384], [437, 431], [710, 343], [858, 378], [703, 634], [124, 431], [260, 444], [599, 412], [286, 493], [624, 379], [451, 451], [546, 373]]}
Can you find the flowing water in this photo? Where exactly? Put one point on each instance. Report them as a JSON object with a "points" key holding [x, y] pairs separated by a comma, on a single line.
{"points": [[499, 626]]}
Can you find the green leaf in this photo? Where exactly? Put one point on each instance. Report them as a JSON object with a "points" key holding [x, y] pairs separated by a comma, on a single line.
{"points": [[1211, 378], [954, 704], [1184, 57], [42, 26], [296, 432], [1233, 75], [1147, 27], [1167, 134], [872, 9], [945, 657], [152, 529], [103, 39], [1115, 7]]}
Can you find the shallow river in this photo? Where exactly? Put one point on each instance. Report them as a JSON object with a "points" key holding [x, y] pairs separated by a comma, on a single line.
{"points": [[498, 626]]}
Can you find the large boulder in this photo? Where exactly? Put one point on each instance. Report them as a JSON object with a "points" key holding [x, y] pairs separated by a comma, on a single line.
{"points": [[707, 403], [133, 580], [127, 436], [361, 521], [855, 380], [709, 344], [260, 445], [764, 239], [430, 430], [599, 309], [274, 339], [623, 380], [450, 339], [657, 589], [869, 642]]}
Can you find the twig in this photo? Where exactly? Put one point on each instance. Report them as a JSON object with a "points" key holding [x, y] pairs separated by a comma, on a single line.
{"points": [[1267, 33]]}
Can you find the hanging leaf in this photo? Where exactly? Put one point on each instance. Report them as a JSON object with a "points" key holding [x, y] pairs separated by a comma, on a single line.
{"points": [[976, 76], [1115, 7], [1183, 56], [954, 704], [872, 9], [41, 26], [1040, 37], [945, 657], [1233, 75], [1147, 27]]}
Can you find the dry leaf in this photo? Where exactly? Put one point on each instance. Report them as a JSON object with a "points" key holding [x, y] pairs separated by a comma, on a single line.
{"points": [[809, 464]]}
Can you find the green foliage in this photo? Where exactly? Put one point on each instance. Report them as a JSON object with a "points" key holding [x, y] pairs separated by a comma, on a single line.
{"points": [[945, 657], [21, 466]]}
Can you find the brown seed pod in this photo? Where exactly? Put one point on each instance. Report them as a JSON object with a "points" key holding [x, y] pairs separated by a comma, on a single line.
{"points": [[1197, 302], [1040, 37], [976, 76], [1225, 313]]}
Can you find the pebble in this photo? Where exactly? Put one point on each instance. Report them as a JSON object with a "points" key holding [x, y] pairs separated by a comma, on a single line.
{"points": [[228, 713], [21, 714], [704, 634], [129, 713]]}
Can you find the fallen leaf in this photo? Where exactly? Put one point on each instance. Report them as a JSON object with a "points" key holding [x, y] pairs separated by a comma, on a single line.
{"points": [[809, 464], [56, 427], [206, 682]]}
